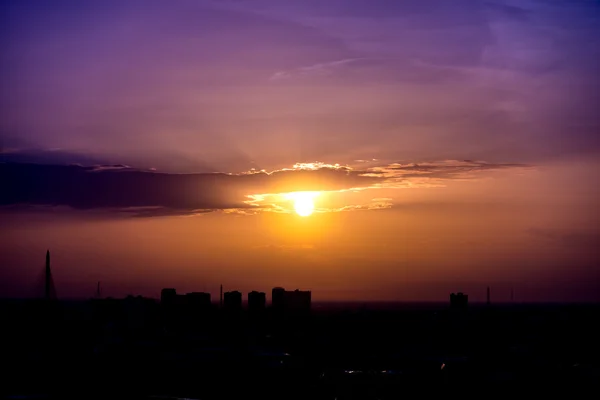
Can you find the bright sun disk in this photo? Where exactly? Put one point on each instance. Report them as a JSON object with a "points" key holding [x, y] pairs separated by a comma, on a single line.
{"points": [[303, 202]]}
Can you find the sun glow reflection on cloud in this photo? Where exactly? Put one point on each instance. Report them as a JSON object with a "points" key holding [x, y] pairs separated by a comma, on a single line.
{"points": [[360, 181]]}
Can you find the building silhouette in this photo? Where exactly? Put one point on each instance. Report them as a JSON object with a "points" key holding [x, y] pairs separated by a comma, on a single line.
{"points": [[232, 301], [197, 301], [257, 301], [187, 310], [459, 300], [278, 298], [291, 301], [298, 300]]}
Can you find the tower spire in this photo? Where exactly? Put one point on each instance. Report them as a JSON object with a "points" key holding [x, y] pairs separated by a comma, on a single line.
{"points": [[221, 297], [48, 276], [49, 292]]}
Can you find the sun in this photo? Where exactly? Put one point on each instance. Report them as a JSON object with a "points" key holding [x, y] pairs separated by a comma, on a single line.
{"points": [[304, 206], [303, 202]]}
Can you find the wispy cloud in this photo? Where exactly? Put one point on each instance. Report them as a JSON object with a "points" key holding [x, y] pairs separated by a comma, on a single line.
{"points": [[320, 69], [447, 169], [117, 167]]}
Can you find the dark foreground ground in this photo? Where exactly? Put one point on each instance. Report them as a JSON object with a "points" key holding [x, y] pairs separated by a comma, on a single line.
{"points": [[133, 349]]}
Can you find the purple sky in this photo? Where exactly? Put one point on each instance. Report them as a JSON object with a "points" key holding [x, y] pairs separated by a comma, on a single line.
{"points": [[397, 93]]}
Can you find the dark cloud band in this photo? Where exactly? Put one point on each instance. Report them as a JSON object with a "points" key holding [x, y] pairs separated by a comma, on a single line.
{"points": [[151, 193]]}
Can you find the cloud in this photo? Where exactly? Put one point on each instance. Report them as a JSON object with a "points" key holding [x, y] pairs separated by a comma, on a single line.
{"points": [[390, 176], [129, 191], [448, 169], [319, 69], [117, 167], [29, 154], [373, 205], [139, 192]]}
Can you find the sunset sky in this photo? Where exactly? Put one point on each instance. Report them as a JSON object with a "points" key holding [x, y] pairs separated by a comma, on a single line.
{"points": [[447, 145]]}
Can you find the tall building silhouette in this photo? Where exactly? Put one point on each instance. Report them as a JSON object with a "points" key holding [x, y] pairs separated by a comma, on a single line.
{"points": [[232, 301], [49, 290], [278, 298], [256, 301]]}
